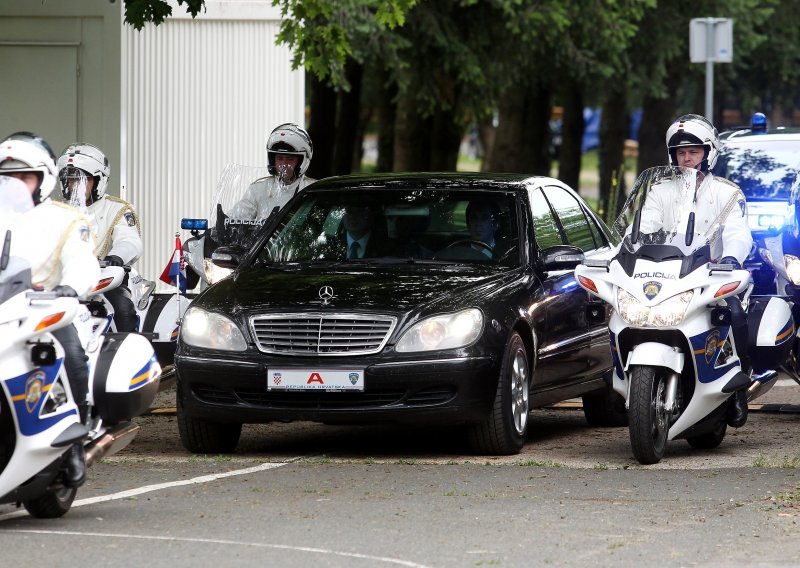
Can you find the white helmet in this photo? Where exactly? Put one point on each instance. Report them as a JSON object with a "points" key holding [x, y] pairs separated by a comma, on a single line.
{"points": [[89, 159], [26, 152], [693, 130], [289, 139]]}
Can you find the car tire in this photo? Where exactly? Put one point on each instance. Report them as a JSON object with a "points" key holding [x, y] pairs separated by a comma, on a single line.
{"points": [[505, 429], [204, 436], [52, 504], [605, 408]]}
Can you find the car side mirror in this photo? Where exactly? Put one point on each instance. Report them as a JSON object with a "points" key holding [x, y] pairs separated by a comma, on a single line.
{"points": [[559, 257], [227, 257]]}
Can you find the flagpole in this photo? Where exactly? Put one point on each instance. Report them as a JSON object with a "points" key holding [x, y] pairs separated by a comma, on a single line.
{"points": [[178, 286]]}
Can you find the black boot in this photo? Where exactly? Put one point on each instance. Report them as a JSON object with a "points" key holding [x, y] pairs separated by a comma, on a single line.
{"points": [[75, 474], [737, 409]]}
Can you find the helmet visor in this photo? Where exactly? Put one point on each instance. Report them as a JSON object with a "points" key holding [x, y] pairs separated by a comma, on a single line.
{"points": [[74, 182]]}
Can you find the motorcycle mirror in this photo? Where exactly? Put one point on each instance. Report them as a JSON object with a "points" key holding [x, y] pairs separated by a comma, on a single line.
{"points": [[690, 229], [6, 251]]}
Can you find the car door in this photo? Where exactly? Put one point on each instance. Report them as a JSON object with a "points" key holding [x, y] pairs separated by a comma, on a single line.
{"points": [[580, 228], [559, 305]]}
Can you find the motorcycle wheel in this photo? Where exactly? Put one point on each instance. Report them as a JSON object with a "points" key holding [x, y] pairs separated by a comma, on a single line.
{"points": [[52, 504], [648, 419], [505, 429], [204, 437], [709, 440]]}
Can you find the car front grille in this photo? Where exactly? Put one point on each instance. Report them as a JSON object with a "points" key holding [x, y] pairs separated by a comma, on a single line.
{"points": [[322, 334]]}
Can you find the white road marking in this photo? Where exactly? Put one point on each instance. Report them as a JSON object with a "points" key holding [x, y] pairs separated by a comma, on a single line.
{"points": [[229, 542], [159, 486]]}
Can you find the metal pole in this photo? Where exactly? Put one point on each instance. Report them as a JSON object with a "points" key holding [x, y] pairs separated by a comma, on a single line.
{"points": [[710, 56]]}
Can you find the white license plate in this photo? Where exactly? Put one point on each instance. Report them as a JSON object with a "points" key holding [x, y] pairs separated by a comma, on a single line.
{"points": [[315, 379]]}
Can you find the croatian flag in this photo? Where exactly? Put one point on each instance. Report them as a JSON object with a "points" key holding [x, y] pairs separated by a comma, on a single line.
{"points": [[175, 272]]}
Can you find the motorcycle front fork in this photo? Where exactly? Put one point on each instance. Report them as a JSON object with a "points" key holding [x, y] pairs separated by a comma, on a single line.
{"points": [[671, 392]]}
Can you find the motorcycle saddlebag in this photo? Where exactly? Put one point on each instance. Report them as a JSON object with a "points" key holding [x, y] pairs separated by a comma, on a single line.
{"points": [[126, 377], [770, 333]]}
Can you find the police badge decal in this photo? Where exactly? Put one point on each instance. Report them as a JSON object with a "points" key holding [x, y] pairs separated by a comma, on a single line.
{"points": [[651, 289]]}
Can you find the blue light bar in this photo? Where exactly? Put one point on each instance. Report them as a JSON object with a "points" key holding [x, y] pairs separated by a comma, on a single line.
{"points": [[758, 123], [194, 224]]}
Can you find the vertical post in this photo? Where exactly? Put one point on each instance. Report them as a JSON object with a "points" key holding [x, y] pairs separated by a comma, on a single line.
{"points": [[710, 50], [178, 287]]}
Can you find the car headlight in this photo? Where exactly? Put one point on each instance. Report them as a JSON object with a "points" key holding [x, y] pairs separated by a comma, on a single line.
{"points": [[214, 331], [446, 331], [792, 268], [664, 314], [213, 272]]}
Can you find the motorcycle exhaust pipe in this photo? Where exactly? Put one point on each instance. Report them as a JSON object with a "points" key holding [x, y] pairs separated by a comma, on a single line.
{"points": [[111, 442], [761, 385]]}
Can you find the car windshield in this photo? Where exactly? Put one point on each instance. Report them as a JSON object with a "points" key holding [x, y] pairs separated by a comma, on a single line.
{"points": [[764, 169], [362, 225]]}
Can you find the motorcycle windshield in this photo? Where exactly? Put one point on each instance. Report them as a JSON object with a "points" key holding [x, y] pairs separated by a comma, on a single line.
{"points": [[244, 199], [677, 207]]}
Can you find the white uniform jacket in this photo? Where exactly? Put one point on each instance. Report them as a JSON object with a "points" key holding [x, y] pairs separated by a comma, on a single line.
{"points": [[714, 196], [263, 195], [116, 227], [57, 242]]}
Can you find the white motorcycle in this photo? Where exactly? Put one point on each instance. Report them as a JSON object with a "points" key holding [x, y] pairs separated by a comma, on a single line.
{"points": [[157, 314], [39, 420], [676, 363]]}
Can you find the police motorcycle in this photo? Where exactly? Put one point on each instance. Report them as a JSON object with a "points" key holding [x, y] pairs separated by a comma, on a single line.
{"points": [[157, 313], [228, 228], [676, 362], [39, 420]]}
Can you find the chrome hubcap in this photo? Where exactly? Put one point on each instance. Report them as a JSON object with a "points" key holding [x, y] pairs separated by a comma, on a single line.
{"points": [[519, 392]]}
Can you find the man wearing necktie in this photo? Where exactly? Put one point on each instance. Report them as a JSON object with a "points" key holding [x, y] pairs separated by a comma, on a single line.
{"points": [[358, 227]]}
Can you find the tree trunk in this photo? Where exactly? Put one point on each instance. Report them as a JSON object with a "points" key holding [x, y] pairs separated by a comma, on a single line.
{"points": [[523, 133], [387, 114], [412, 140], [572, 125], [321, 127], [445, 142], [347, 121], [657, 115], [613, 132]]}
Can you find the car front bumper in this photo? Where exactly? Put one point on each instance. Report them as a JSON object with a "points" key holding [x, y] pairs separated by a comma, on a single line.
{"points": [[443, 390]]}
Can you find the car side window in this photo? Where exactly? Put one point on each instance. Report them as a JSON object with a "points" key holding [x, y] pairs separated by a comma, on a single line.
{"points": [[572, 219], [545, 229]]}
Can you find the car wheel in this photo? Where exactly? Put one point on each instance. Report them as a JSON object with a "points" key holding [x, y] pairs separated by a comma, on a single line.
{"points": [[605, 408], [709, 440], [201, 436], [504, 430], [52, 504]]}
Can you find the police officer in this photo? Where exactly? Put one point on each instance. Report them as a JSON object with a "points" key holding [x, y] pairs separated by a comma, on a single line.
{"points": [[114, 221], [57, 242], [693, 142], [289, 151]]}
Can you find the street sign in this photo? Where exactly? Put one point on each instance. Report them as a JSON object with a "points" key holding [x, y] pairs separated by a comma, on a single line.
{"points": [[711, 39]]}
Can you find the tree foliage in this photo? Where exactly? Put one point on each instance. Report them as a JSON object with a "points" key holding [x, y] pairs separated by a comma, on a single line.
{"points": [[140, 12]]}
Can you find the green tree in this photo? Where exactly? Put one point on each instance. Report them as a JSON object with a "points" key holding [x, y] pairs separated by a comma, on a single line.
{"points": [[140, 12]]}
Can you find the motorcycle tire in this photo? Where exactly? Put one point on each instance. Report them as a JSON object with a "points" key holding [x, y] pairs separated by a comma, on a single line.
{"points": [[709, 440], [504, 431], [52, 504], [648, 419]]}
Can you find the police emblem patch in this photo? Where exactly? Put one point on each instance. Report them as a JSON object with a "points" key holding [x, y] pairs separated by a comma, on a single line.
{"points": [[743, 207], [130, 219], [84, 233], [651, 289], [353, 378], [712, 342], [33, 390]]}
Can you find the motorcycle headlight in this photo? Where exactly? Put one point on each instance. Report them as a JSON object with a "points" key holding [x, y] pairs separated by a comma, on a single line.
{"points": [[668, 313], [447, 331], [214, 331], [792, 268]]}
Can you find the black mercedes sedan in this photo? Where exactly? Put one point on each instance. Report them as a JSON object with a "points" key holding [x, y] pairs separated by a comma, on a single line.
{"points": [[446, 298]]}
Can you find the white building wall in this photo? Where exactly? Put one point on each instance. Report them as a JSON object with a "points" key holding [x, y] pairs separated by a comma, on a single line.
{"points": [[197, 95]]}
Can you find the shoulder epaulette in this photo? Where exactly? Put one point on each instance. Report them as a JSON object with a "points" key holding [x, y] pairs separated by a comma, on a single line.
{"points": [[118, 200]]}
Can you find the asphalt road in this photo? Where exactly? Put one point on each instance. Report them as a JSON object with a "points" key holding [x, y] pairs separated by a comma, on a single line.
{"points": [[303, 494]]}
